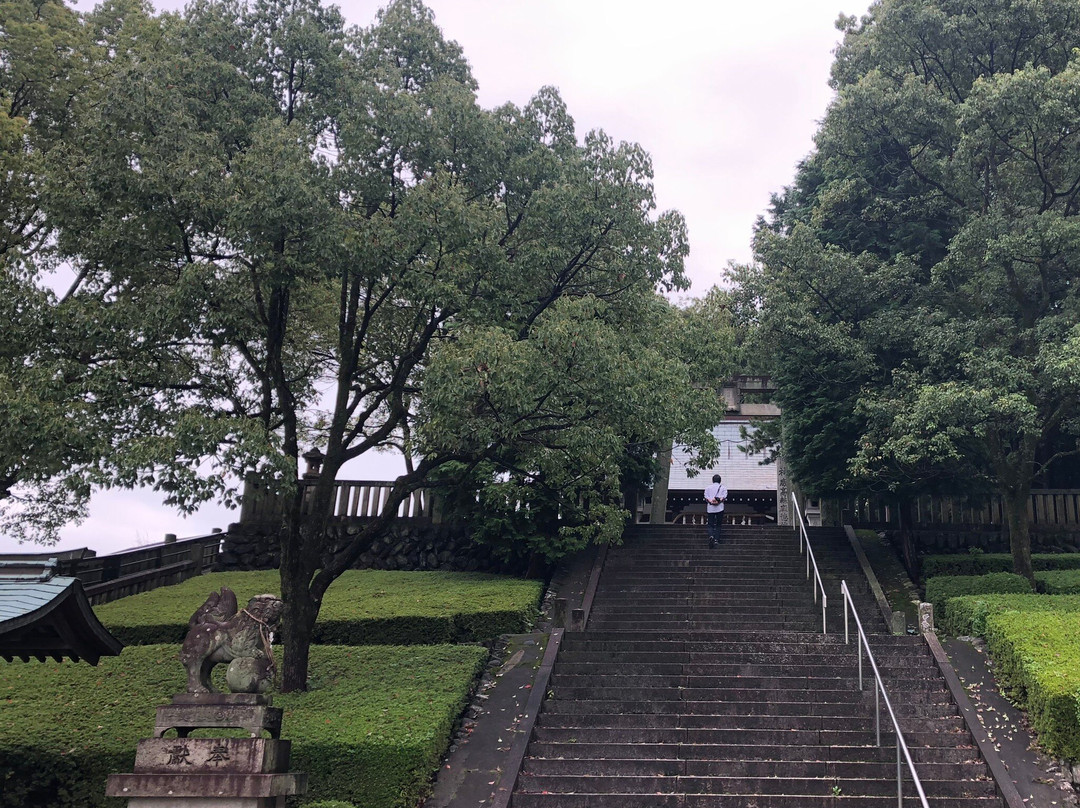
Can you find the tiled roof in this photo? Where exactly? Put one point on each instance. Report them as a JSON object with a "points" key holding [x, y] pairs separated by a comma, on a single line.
{"points": [[45, 616]]}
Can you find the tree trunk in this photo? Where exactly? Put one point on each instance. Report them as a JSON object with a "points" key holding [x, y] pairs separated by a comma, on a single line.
{"points": [[904, 533], [298, 621], [302, 543], [1015, 499]]}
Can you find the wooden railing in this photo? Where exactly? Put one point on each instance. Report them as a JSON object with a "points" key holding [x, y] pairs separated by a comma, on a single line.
{"points": [[1046, 508], [361, 499], [109, 577], [352, 499]]}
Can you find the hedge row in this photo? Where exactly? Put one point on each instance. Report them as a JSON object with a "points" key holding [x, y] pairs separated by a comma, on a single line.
{"points": [[966, 615], [983, 563], [1037, 661], [370, 731], [362, 607], [942, 587], [1058, 582]]}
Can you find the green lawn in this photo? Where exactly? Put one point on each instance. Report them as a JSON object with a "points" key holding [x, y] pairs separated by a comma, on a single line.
{"points": [[371, 730], [362, 607]]}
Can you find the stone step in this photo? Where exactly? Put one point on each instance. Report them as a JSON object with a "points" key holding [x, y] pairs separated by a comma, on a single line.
{"points": [[550, 720], [795, 667], [672, 767], [583, 750], [689, 784], [905, 685], [855, 709], [745, 737], [556, 800], [820, 696]]}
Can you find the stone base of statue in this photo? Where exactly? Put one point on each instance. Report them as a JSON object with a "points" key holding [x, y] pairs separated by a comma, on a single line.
{"points": [[185, 772]]}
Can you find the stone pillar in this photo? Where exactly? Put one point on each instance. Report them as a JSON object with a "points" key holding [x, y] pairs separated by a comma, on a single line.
{"points": [[783, 491], [658, 514], [926, 617]]}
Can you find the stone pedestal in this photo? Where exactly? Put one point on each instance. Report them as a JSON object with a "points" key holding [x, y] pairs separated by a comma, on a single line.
{"points": [[184, 772]]}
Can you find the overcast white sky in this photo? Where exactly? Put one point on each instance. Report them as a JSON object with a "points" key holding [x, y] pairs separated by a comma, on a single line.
{"points": [[725, 95]]}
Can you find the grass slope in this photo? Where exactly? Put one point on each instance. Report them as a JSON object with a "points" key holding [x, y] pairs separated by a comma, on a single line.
{"points": [[362, 607], [370, 731]]}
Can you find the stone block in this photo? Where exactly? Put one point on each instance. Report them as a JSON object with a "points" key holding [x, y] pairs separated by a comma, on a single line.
{"points": [[219, 786], [254, 719], [211, 755]]}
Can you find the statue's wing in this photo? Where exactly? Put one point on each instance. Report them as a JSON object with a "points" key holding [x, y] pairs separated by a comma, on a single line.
{"points": [[219, 607], [227, 606]]}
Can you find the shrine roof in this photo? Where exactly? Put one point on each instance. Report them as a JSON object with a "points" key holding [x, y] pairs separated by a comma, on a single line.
{"points": [[43, 616]]}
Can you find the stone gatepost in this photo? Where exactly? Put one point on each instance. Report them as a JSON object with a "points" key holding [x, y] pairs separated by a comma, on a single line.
{"points": [[784, 515], [184, 772]]}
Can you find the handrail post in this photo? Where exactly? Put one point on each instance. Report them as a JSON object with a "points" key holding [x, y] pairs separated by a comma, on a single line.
{"points": [[899, 779], [877, 711], [847, 639], [879, 696]]}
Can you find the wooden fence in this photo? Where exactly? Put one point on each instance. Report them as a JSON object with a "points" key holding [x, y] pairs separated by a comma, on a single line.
{"points": [[352, 499], [360, 499], [1046, 508], [110, 577]]}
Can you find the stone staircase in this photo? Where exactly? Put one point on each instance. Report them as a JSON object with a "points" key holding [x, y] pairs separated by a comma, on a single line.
{"points": [[703, 679]]}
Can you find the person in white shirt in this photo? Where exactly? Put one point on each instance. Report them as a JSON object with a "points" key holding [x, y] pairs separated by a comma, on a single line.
{"points": [[715, 497]]}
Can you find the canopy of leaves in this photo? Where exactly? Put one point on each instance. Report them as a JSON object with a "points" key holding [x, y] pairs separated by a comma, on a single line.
{"points": [[919, 277]]}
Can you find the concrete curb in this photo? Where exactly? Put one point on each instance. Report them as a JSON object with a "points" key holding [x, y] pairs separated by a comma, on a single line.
{"points": [[1006, 787], [516, 756], [579, 617], [594, 581], [896, 621]]}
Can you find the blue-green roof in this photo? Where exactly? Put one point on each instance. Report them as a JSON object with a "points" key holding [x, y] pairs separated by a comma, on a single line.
{"points": [[44, 616]]}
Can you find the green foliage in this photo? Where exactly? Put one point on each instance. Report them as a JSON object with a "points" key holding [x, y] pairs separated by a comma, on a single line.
{"points": [[942, 587], [966, 615], [982, 563], [363, 607], [61, 355], [314, 235], [1059, 582], [1037, 661], [917, 281], [371, 730]]}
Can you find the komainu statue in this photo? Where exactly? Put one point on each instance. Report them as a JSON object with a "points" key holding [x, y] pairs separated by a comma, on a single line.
{"points": [[218, 632]]}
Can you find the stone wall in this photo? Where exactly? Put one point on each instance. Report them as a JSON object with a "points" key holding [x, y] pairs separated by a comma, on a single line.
{"points": [[408, 545]]}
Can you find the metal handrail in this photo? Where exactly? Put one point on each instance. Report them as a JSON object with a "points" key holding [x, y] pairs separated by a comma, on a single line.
{"points": [[804, 540], [879, 696]]}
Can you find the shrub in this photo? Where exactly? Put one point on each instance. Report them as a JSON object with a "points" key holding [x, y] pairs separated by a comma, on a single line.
{"points": [[983, 563], [362, 607], [1059, 582], [943, 587], [1037, 660], [966, 615], [370, 731]]}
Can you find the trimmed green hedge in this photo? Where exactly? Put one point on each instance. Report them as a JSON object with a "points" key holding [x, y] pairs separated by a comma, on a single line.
{"points": [[1037, 660], [943, 587], [1058, 582], [966, 615], [362, 607], [371, 731], [983, 563]]}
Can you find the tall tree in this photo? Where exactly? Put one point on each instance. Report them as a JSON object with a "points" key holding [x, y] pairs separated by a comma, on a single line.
{"points": [[60, 409], [333, 245], [928, 246]]}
